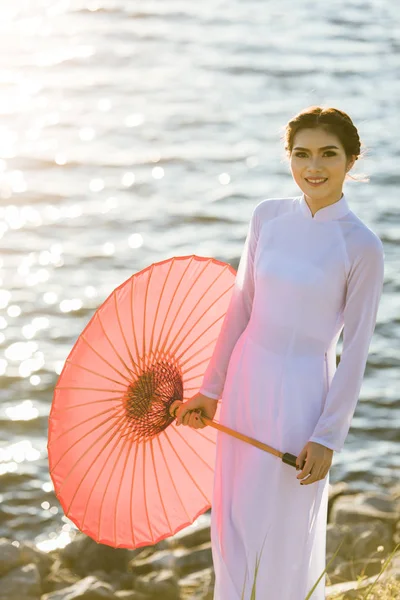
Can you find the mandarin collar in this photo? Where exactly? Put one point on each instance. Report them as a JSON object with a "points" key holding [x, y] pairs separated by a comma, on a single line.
{"points": [[328, 213]]}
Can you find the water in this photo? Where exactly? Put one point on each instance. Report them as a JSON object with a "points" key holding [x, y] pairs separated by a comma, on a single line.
{"points": [[132, 132]]}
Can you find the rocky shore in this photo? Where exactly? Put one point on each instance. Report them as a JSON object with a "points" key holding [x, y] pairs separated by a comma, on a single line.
{"points": [[367, 525]]}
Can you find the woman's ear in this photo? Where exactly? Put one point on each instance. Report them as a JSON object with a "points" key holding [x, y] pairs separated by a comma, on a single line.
{"points": [[351, 162]]}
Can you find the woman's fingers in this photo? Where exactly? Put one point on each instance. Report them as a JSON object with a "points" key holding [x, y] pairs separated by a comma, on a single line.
{"points": [[189, 417], [198, 423], [180, 415], [183, 416], [316, 475], [306, 470]]}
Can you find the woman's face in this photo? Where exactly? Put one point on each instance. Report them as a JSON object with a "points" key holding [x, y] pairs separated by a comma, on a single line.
{"points": [[311, 159]]}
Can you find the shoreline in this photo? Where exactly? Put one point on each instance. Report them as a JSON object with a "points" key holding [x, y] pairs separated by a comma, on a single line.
{"points": [[367, 524]]}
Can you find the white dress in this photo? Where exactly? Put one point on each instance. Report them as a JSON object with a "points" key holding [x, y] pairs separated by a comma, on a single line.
{"points": [[300, 280]]}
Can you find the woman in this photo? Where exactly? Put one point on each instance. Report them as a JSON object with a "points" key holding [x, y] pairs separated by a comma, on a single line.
{"points": [[309, 268]]}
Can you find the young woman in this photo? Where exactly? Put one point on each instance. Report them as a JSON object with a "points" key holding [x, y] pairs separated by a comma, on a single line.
{"points": [[310, 267]]}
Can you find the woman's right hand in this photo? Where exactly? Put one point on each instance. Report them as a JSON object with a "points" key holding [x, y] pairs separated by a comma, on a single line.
{"points": [[186, 415]]}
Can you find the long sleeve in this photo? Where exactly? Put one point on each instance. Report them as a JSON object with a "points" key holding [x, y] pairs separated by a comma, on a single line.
{"points": [[364, 289], [237, 315]]}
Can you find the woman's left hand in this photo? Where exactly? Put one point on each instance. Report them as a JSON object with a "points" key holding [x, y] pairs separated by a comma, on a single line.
{"points": [[318, 460]]}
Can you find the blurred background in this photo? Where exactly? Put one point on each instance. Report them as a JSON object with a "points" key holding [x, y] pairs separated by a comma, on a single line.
{"points": [[133, 131]]}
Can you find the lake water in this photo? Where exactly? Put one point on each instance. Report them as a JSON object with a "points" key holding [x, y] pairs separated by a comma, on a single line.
{"points": [[136, 131]]}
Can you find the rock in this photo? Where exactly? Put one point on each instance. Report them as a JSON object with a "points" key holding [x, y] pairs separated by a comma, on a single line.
{"points": [[366, 538], [191, 536], [338, 569], [162, 584], [89, 588], [188, 561], [336, 566], [396, 535], [348, 587], [157, 561], [10, 556], [336, 490], [84, 556], [29, 553], [337, 535], [393, 568], [130, 595], [348, 570], [21, 582], [58, 578], [361, 508], [122, 581], [198, 586]]}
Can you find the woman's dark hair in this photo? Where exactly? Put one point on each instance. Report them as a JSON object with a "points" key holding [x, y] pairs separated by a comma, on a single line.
{"points": [[333, 121]]}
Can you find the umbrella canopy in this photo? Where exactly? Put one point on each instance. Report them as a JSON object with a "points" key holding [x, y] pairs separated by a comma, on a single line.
{"points": [[121, 472]]}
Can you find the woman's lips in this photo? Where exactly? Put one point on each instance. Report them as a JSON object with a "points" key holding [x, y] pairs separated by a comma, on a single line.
{"points": [[316, 184]]}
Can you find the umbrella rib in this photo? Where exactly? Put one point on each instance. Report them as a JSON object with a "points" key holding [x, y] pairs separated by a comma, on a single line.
{"points": [[222, 316], [83, 422], [63, 408], [144, 491], [123, 335], [110, 477], [196, 305], [131, 494], [93, 487], [106, 361], [84, 453], [162, 349], [119, 488], [87, 389], [133, 325], [95, 372], [197, 365], [158, 485], [181, 303], [160, 297], [144, 317], [115, 350], [171, 478], [201, 434], [183, 465], [88, 469], [195, 451]]}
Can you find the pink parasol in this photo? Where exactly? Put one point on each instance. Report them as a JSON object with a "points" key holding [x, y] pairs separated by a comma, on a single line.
{"points": [[121, 473]]}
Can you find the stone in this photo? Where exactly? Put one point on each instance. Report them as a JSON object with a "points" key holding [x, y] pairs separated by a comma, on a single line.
{"points": [[198, 585], [361, 508], [393, 568], [21, 582], [337, 535], [334, 567], [153, 562], [130, 595], [162, 584], [85, 556], [89, 588], [191, 536], [29, 553], [187, 561], [58, 578], [10, 556], [348, 587], [369, 540], [348, 570]]}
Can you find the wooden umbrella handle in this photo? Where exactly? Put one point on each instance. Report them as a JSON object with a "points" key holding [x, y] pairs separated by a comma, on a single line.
{"points": [[289, 459]]}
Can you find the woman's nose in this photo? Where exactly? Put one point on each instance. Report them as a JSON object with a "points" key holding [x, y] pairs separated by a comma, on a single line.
{"points": [[315, 164]]}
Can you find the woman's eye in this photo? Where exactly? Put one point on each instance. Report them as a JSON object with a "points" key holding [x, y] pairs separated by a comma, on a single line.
{"points": [[329, 152]]}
